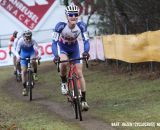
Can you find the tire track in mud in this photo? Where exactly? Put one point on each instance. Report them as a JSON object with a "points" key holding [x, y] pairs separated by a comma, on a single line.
{"points": [[63, 110]]}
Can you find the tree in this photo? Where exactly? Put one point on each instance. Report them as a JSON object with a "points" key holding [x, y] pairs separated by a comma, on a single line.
{"points": [[128, 16]]}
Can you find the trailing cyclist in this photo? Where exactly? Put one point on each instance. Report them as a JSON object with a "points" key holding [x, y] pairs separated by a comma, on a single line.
{"points": [[11, 50], [65, 35], [27, 48], [17, 64]]}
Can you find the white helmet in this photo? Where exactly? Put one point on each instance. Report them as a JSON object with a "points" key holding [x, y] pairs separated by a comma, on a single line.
{"points": [[72, 9], [19, 35]]}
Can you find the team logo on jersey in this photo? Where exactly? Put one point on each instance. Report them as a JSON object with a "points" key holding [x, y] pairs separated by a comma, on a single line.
{"points": [[28, 12]]}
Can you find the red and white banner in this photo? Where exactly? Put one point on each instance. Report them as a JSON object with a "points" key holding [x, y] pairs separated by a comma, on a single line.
{"points": [[96, 51], [99, 48], [46, 51], [5, 59], [27, 12], [92, 51], [96, 48]]}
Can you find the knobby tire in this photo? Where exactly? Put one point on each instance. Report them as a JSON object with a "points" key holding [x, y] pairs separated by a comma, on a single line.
{"points": [[78, 109]]}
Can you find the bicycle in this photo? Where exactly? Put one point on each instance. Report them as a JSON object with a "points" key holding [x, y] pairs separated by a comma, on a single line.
{"points": [[74, 89], [30, 80]]}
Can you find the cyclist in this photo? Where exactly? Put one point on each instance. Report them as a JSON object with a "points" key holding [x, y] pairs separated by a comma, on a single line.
{"points": [[12, 38], [27, 48], [18, 67], [66, 34]]}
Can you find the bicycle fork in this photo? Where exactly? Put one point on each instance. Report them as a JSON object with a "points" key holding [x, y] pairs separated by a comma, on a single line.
{"points": [[79, 88], [30, 72]]}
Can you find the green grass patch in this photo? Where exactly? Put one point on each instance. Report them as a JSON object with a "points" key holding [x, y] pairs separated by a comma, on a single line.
{"points": [[118, 97], [112, 96], [115, 96], [25, 115]]}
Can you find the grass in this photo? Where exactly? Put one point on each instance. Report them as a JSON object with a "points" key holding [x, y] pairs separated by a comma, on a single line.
{"points": [[116, 96], [113, 97], [121, 97], [25, 115]]}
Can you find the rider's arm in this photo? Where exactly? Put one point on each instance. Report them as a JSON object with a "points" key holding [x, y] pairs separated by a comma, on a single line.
{"points": [[14, 46], [10, 46], [85, 37], [18, 48], [11, 43], [55, 36], [86, 42]]}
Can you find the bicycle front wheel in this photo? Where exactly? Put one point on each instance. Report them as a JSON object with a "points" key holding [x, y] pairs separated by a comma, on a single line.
{"points": [[78, 109], [30, 80]]}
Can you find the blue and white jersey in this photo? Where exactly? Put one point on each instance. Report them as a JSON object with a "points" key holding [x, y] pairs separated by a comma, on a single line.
{"points": [[15, 44], [23, 48], [67, 37]]}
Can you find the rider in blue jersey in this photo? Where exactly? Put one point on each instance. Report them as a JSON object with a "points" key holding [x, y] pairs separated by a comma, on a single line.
{"points": [[27, 48], [65, 36]]}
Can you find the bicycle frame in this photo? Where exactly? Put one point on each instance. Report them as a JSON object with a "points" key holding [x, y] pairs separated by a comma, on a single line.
{"points": [[30, 80], [73, 70], [29, 63], [74, 94], [30, 72]]}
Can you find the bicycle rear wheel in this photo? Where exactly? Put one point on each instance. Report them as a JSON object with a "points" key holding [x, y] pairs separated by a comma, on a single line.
{"points": [[78, 109]]}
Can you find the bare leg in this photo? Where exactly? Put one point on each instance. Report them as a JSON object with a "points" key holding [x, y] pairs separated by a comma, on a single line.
{"points": [[85, 106], [18, 67], [14, 62], [34, 64], [80, 74], [63, 68], [24, 75]]}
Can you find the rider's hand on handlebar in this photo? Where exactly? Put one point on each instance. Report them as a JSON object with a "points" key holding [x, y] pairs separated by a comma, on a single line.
{"points": [[85, 55], [56, 59]]}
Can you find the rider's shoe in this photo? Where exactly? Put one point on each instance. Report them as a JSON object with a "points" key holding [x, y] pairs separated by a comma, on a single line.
{"points": [[24, 92], [64, 88], [35, 77], [85, 106]]}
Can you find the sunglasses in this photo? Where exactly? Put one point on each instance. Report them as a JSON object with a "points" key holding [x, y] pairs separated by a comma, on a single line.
{"points": [[74, 14]]}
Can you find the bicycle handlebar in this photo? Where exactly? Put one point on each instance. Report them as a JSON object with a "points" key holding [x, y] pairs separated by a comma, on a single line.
{"points": [[71, 60]]}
